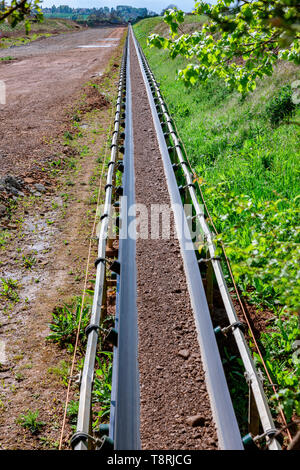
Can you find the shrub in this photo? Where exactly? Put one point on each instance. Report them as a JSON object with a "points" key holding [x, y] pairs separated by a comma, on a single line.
{"points": [[281, 106]]}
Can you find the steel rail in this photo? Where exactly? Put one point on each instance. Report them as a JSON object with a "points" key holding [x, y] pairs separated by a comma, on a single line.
{"points": [[228, 433], [82, 438], [252, 376]]}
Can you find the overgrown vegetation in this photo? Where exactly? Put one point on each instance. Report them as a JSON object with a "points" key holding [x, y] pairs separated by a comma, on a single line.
{"points": [[282, 357], [245, 151], [61, 371]]}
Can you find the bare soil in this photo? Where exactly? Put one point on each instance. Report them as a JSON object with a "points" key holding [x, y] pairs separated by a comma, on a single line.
{"points": [[40, 85], [172, 380]]}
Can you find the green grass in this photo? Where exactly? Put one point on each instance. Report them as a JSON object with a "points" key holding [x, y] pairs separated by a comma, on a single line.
{"points": [[233, 146], [248, 169]]}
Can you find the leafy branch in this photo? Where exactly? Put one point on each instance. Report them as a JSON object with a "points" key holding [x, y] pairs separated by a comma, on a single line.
{"points": [[17, 11], [239, 43]]}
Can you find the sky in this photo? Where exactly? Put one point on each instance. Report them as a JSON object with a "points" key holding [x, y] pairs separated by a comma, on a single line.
{"points": [[154, 5]]}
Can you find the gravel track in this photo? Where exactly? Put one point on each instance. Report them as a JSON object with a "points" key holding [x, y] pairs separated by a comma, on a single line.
{"points": [[172, 380]]}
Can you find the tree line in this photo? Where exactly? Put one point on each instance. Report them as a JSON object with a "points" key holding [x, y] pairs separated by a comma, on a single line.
{"points": [[97, 16]]}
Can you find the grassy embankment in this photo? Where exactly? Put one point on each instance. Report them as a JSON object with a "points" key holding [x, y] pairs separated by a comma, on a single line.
{"points": [[17, 37], [247, 160]]}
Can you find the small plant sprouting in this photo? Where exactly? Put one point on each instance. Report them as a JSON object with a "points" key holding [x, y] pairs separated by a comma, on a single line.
{"points": [[76, 118], [29, 421], [9, 289], [68, 135], [65, 323], [28, 261], [4, 237], [19, 376]]}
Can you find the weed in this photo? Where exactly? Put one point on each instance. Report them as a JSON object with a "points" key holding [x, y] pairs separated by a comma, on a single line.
{"points": [[29, 421], [4, 237], [65, 196], [102, 384], [76, 118], [65, 321], [19, 376], [72, 163], [18, 357], [9, 289], [72, 412], [2, 405], [49, 443], [28, 366], [28, 261], [68, 135], [85, 151], [234, 369]]}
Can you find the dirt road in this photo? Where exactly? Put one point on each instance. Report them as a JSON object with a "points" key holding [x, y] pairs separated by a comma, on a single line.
{"points": [[39, 85]]}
